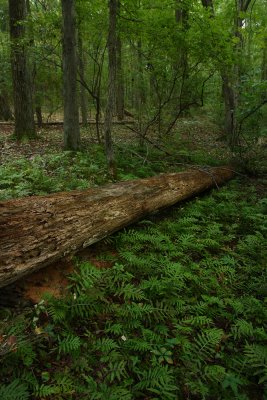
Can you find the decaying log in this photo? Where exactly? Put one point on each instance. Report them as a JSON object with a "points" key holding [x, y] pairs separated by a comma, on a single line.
{"points": [[35, 231]]}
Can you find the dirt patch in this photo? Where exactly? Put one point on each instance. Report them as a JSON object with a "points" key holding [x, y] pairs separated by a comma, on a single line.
{"points": [[54, 278]]}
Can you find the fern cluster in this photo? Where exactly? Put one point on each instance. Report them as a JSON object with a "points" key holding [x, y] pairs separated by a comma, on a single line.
{"points": [[57, 171], [179, 315]]}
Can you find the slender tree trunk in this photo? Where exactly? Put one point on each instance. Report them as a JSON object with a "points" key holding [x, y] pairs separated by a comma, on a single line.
{"points": [[39, 116], [70, 93], [181, 17], [141, 94], [37, 96], [119, 75], [21, 72], [110, 108], [97, 86], [230, 108], [97, 117], [83, 97], [264, 61], [238, 70], [5, 110], [120, 82]]}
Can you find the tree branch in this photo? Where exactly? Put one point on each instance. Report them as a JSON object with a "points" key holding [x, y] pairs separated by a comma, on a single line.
{"points": [[251, 113]]}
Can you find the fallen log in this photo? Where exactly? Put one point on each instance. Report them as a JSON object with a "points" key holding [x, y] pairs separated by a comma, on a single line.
{"points": [[36, 231]]}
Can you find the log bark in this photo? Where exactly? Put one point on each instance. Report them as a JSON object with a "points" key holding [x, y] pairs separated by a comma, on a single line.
{"points": [[36, 231]]}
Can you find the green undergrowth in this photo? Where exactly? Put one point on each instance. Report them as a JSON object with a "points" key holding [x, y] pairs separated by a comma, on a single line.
{"points": [[57, 171], [180, 313], [64, 171]]}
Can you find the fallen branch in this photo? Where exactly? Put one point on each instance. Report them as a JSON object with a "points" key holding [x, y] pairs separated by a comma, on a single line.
{"points": [[36, 231]]}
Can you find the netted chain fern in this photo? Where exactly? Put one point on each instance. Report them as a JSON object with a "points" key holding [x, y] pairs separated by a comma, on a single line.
{"points": [[179, 313]]}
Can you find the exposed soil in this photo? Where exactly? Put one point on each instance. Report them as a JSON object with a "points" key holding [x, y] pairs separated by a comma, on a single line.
{"points": [[53, 279]]}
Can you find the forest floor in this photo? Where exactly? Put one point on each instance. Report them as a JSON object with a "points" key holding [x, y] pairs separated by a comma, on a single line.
{"points": [[192, 135], [196, 141], [173, 306]]}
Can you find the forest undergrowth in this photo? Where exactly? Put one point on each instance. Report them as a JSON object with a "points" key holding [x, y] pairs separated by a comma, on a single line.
{"points": [[179, 313], [40, 166]]}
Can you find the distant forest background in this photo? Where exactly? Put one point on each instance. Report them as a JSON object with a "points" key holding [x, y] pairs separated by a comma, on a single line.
{"points": [[152, 62]]}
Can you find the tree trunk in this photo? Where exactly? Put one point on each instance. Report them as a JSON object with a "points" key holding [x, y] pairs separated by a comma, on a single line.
{"points": [[35, 231], [231, 78], [110, 108], [71, 110], [21, 73], [83, 97], [181, 18], [264, 62], [230, 109], [120, 82], [238, 70], [119, 74], [5, 111], [39, 116], [140, 92]]}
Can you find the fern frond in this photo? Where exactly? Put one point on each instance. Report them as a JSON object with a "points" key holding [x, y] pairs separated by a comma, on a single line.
{"points": [[207, 342], [158, 380], [130, 292], [105, 345], [58, 311], [209, 243], [116, 329], [16, 390], [236, 305], [242, 328], [138, 345], [85, 277], [70, 344], [44, 391], [256, 356], [198, 321], [214, 373], [64, 383], [116, 371]]}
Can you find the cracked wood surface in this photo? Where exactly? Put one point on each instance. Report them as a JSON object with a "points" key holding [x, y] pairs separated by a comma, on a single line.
{"points": [[36, 231]]}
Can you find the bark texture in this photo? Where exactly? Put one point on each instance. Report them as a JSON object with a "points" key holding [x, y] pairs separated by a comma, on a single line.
{"points": [[5, 110], [83, 97], [182, 65], [119, 73], [264, 61], [21, 72], [110, 108], [70, 92], [36, 231], [120, 81]]}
